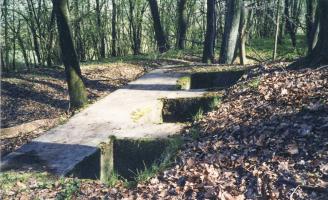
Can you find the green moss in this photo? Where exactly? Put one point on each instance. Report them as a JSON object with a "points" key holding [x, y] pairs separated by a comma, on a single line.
{"points": [[183, 83], [77, 91], [139, 113]]}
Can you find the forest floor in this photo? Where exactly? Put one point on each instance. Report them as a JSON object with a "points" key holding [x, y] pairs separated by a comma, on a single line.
{"points": [[35, 101], [266, 140]]}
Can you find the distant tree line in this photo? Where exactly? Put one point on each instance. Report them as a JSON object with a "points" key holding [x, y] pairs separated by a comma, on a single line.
{"points": [[104, 28]]}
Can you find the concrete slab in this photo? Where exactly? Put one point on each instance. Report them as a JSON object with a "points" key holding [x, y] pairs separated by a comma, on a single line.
{"points": [[131, 112]]}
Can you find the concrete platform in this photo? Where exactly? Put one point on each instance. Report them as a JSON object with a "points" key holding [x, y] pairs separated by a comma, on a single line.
{"points": [[131, 112]]}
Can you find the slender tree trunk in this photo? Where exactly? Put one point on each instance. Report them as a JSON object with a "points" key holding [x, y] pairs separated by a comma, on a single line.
{"points": [[22, 46], [316, 31], [231, 28], [80, 48], [100, 31], [23, 50], [290, 24], [319, 55], [182, 24], [76, 88], [6, 47], [208, 53], [136, 11], [282, 25], [50, 39], [34, 33], [311, 23], [242, 34], [2, 57], [274, 56], [159, 32], [14, 40], [114, 35]]}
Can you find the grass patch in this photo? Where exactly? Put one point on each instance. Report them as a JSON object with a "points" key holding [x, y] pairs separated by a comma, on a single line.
{"points": [[165, 161], [22, 180], [198, 115], [254, 83], [262, 48], [194, 133], [166, 158], [69, 188], [215, 102]]}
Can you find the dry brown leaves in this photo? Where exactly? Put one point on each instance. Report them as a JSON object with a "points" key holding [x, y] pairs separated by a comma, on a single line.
{"points": [[267, 142], [263, 142]]}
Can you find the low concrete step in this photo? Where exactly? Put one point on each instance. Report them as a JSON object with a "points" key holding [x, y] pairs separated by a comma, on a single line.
{"points": [[134, 111]]}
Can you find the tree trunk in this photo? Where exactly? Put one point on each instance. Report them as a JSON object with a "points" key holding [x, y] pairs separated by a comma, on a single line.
{"points": [[80, 48], [14, 40], [274, 56], [21, 46], [231, 32], [50, 39], [6, 47], [114, 35], [100, 31], [208, 53], [311, 23], [159, 33], [76, 88], [242, 34], [136, 11], [182, 24], [319, 55], [34, 33], [282, 26], [290, 24]]}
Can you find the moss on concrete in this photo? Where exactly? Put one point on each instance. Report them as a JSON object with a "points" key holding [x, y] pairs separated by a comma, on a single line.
{"points": [[183, 83], [139, 113]]}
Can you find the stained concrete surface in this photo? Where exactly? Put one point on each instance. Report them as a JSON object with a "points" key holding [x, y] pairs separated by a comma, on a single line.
{"points": [[134, 111]]}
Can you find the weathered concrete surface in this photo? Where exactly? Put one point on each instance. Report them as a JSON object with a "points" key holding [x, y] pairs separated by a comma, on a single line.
{"points": [[133, 111]]}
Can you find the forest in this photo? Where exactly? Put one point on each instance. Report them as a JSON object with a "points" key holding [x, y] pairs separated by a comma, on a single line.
{"points": [[164, 99]]}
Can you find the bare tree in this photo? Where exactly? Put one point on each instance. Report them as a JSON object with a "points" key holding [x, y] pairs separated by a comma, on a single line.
{"points": [[159, 32], [274, 56], [182, 24], [114, 34], [101, 36], [208, 51]]}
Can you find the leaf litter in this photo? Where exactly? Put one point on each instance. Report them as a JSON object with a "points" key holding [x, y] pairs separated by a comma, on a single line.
{"points": [[263, 142]]}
